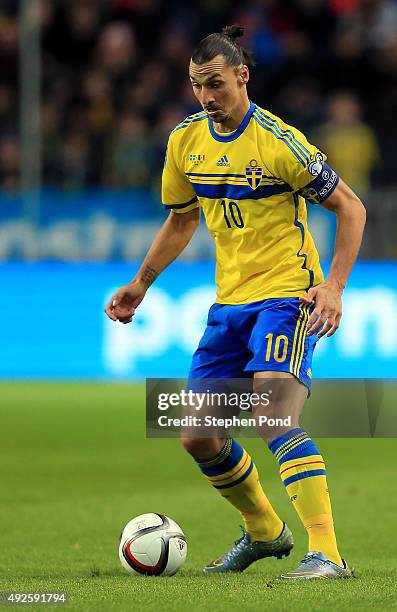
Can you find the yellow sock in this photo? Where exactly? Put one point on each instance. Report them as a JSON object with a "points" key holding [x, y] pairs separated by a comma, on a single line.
{"points": [[321, 533], [311, 501], [302, 471], [235, 476]]}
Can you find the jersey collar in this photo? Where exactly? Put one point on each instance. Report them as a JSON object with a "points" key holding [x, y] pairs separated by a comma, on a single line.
{"points": [[236, 133]]}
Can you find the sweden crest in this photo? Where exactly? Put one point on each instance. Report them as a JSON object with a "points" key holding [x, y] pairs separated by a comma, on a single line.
{"points": [[253, 174]]}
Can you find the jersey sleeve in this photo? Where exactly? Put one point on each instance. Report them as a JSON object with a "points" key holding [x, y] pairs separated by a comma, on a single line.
{"points": [[303, 166], [177, 192]]}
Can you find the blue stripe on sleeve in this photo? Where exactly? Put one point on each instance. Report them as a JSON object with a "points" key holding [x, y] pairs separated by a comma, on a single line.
{"points": [[288, 133], [189, 120], [297, 154], [185, 205]]}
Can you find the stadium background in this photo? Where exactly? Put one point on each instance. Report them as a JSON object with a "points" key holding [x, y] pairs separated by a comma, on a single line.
{"points": [[89, 91], [81, 159]]}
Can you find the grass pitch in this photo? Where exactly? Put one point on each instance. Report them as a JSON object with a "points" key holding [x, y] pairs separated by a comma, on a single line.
{"points": [[76, 466]]}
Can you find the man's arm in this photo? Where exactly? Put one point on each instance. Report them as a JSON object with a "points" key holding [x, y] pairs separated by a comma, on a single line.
{"points": [[351, 215], [171, 240]]}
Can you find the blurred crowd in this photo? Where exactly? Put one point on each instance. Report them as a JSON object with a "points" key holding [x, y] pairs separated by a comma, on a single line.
{"points": [[114, 82]]}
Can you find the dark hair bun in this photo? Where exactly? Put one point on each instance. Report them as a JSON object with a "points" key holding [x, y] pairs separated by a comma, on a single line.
{"points": [[233, 31]]}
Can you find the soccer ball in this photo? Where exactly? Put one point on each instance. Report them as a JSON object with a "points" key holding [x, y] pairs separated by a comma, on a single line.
{"points": [[152, 545]]}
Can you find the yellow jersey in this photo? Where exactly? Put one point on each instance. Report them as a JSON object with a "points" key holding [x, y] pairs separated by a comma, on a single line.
{"points": [[251, 185]]}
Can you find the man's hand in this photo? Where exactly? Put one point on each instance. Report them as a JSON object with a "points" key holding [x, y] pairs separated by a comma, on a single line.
{"points": [[327, 313], [122, 305]]}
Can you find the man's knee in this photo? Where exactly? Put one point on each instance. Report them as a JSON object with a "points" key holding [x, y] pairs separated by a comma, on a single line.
{"points": [[202, 448], [282, 411]]}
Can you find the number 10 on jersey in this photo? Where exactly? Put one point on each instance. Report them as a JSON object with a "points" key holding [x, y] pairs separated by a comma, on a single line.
{"points": [[232, 214]]}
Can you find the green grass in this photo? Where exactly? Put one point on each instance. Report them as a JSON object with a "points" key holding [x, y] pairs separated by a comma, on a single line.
{"points": [[76, 466]]}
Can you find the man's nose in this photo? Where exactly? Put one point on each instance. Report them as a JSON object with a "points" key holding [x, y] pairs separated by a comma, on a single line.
{"points": [[208, 96]]}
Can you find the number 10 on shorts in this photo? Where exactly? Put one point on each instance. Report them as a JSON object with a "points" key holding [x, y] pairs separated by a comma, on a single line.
{"points": [[276, 348]]}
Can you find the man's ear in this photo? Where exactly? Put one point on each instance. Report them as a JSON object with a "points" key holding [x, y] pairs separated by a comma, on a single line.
{"points": [[244, 75]]}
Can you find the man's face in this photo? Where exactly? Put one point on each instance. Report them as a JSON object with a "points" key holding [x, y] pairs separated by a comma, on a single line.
{"points": [[218, 87]]}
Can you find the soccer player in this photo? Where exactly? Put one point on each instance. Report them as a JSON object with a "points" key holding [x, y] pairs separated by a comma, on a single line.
{"points": [[250, 173]]}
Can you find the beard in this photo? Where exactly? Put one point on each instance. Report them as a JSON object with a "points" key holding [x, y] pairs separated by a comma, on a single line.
{"points": [[218, 115], [222, 117]]}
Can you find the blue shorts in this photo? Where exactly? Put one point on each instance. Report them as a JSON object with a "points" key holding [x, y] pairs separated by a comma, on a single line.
{"points": [[269, 335]]}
